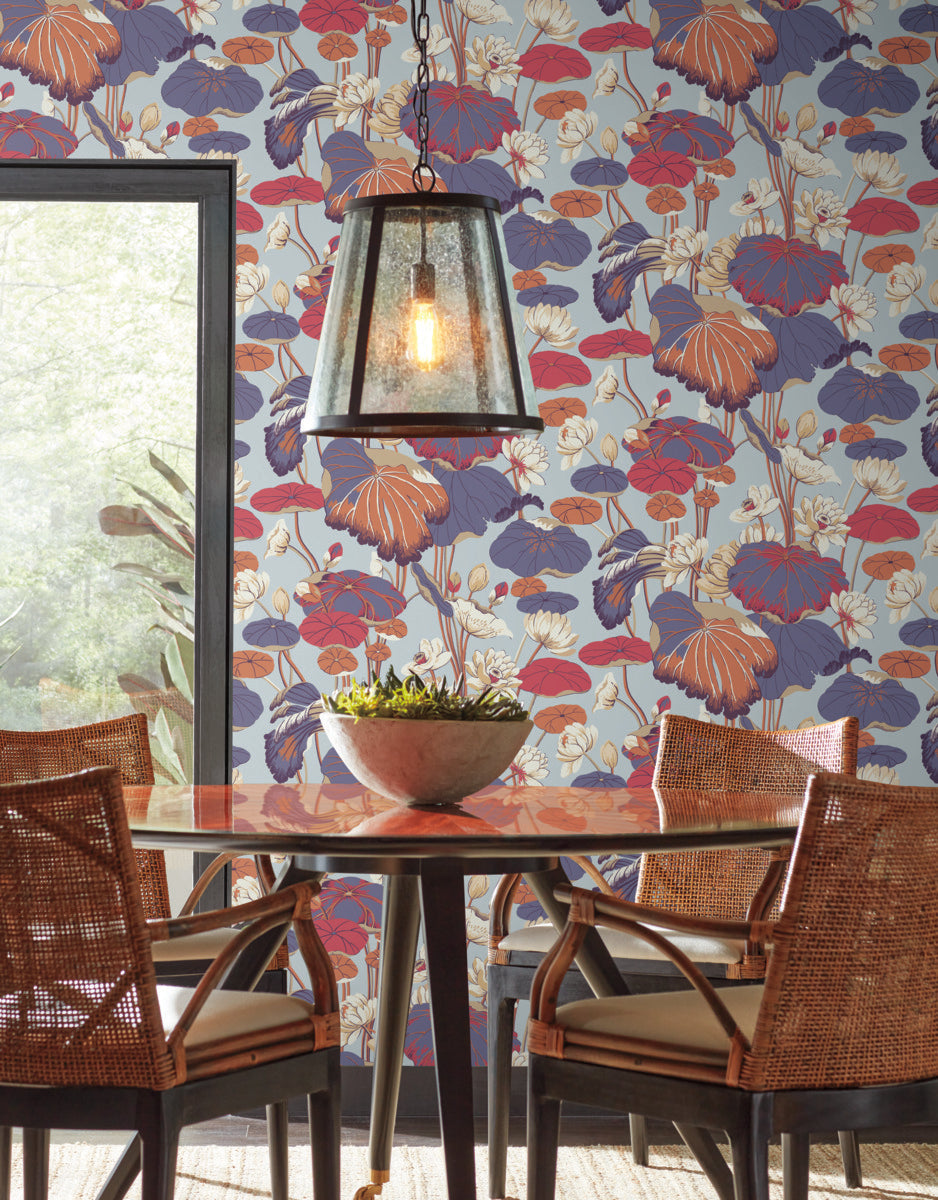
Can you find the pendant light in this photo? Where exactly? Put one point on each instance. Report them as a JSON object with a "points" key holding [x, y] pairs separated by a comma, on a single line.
{"points": [[419, 337]]}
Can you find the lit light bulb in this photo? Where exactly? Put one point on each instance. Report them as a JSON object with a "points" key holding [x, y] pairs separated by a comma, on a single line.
{"points": [[424, 340], [424, 335]]}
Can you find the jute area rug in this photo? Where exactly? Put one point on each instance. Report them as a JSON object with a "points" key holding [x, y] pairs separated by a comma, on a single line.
{"points": [[213, 1172]]}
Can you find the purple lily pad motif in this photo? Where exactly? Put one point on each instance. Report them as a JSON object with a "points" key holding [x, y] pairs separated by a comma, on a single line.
{"points": [[549, 549], [688, 133], [552, 602], [271, 633], [600, 479], [922, 633], [805, 33], [857, 89], [600, 173], [477, 495], [246, 706], [248, 398], [876, 447], [25, 134], [881, 703], [458, 453], [787, 581], [481, 176], [784, 274], [805, 342], [805, 649], [533, 244], [273, 328], [548, 293], [271, 20], [857, 396], [201, 90], [880, 756], [149, 35], [689, 441]]}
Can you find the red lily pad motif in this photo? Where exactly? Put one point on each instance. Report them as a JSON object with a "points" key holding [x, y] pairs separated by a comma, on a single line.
{"points": [[616, 652], [712, 653], [464, 122], [881, 216], [25, 134], [246, 526], [654, 474], [553, 677], [550, 63], [787, 581], [652, 167], [324, 628], [554, 369], [288, 190], [622, 35], [714, 349], [881, 523], [288, 497], [924, 500], [326, 16], [617, 343]]}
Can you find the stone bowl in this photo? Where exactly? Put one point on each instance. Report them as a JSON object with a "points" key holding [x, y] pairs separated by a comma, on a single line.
{"points": [[424, 762]]}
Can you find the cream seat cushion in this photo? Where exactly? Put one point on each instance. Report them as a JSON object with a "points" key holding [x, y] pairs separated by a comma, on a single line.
{"points": [[206, 946], [539, 938], [228, 1014], [682, 1018]]}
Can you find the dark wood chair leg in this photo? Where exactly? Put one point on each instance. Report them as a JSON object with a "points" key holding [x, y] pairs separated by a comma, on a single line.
{"points": [[543, 1135], [35, 1164], [325, 1124], [159, 1137], [6, 1152], [750, 1152], [277, 1147], [500, 1022], [850, 1153], [701, 1144], [638, 1135], [795, 1163]]}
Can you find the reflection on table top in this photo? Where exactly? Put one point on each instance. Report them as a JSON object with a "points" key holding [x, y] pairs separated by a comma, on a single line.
{"points": [[324, 818]]}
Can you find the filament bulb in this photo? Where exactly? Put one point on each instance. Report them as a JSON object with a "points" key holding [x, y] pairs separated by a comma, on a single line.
{"points": [[424, 340]]}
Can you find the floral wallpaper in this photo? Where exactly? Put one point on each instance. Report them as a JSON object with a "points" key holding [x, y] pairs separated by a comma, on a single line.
{"points": [[722, 230]]}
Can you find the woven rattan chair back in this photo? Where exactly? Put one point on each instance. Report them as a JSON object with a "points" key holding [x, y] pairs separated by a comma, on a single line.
{"points": [[122, 743], [714, 758], [78, 1004], [851, 985]]}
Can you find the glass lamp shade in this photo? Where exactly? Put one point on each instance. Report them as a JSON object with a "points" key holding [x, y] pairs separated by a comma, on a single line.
{"points": [[419, 337]]}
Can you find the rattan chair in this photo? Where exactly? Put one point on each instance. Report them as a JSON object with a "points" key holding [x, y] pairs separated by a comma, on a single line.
{"points": [[122, 742], [88, 1040], [709, 759], [842, 1033]]}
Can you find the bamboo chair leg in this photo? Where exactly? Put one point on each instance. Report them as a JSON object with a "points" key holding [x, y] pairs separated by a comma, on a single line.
{"points": [[277, 1130], [35, 1164], [795, 1155], [6, 1151], [850, 1153]]}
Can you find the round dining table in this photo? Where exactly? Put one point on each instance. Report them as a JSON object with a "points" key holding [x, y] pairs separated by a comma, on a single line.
{"points": [[424, 853]]}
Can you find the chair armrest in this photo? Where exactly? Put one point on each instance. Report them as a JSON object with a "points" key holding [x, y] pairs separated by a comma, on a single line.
{"points": [[164, 929], [503, 899], [589, 909], [290, 905], [609, 910]]}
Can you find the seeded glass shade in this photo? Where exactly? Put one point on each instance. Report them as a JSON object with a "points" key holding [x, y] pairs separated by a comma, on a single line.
{"points": [[379, 372]]}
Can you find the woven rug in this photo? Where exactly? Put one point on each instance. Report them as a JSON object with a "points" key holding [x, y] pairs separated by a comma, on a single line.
{"points": [[209, 1172]]}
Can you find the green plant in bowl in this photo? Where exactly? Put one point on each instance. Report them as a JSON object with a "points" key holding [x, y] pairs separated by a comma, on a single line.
{"points": [[424, 743], [416, 700]]}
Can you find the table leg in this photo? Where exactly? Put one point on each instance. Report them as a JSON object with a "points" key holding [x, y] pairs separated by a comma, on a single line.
{"points": [[400, 926], [443, 904]]}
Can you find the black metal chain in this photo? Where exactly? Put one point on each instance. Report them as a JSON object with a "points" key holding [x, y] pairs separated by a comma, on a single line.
{"points": [[420, 27]]}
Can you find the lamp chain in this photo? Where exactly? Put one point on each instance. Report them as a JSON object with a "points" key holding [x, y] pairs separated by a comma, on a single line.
{"points": [[423, 174]]}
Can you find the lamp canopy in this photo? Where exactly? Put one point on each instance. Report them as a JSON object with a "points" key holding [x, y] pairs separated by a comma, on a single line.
{"points": [[419, 337]]}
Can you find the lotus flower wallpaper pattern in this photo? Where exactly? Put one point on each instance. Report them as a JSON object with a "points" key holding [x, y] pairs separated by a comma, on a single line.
{"points": [[722, 226]]}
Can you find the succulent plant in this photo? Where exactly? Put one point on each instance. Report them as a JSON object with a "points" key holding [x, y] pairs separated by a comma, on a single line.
{"points": [[414, 699]]}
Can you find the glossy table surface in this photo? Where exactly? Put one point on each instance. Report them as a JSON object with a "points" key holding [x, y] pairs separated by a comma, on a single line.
{"points": [[321, 820]]}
